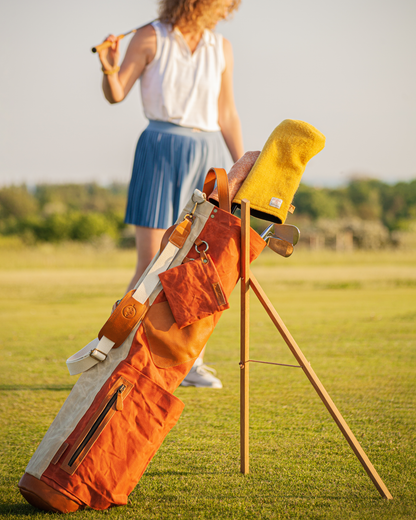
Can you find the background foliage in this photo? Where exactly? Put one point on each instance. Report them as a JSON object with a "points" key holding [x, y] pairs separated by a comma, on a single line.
{"points": [[375, 213]]}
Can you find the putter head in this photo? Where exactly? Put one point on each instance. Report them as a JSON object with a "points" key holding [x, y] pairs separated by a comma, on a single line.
{"points": [[287, 232], [279, 246]]}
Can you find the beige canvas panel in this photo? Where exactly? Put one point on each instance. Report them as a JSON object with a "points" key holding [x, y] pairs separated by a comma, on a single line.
{"points": [[90, 382]]}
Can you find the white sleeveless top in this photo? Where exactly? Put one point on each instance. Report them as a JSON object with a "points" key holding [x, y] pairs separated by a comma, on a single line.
{"points": [[180, 87]]}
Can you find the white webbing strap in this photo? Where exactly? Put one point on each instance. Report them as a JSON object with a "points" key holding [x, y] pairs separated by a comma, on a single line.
{"points": [[97, 350]]}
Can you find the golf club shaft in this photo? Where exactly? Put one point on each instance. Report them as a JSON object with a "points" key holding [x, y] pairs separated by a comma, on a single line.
{"points": [[263, 235], [107, 44]]}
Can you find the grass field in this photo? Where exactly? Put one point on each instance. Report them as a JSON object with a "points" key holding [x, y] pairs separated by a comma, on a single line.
{"points": [[353, 316]]}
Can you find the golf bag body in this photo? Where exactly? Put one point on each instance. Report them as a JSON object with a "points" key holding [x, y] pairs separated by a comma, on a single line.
{"points": [[122, 406]]}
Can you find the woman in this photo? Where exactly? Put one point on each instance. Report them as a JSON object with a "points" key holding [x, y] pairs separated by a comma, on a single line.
{"points": [[186, 86]]}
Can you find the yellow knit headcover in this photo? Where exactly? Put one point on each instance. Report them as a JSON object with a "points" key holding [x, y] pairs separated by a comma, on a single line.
{"points": [[272, 182]]}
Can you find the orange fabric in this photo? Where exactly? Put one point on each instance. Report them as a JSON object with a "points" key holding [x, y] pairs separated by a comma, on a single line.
{"points": [[222, 232], [85, 441], [171, 346], [193, 291], [117, 458]]}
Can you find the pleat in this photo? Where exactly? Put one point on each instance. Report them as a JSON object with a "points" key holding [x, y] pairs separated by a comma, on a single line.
{"points": [[169, 163]]}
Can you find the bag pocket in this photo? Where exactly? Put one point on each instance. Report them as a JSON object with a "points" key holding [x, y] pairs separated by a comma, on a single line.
{"points": [[112, 403], [169, 345], [194, 291], [112, 449]]}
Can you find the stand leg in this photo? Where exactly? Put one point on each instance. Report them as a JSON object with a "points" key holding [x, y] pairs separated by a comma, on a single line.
{"points": [[244, 336], [323, 394]]}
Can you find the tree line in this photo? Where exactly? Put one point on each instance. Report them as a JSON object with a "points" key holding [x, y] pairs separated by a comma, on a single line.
{"points": [[82, 212], [368, 199]]}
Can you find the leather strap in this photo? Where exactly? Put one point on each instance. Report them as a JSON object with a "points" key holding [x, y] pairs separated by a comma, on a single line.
{"points": [[176, 234], [97, 350], [219, 175], [123, 319]]}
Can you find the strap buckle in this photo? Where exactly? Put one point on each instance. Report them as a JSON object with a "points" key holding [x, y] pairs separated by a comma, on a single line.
{"points": [[190, 216], [98, 355]]}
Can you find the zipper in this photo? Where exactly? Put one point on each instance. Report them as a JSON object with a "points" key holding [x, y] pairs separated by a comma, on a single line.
{"points": [[116, 399]]}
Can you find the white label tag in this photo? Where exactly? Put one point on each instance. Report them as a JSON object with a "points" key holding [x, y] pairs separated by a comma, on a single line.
{"points": [[275, 202]]}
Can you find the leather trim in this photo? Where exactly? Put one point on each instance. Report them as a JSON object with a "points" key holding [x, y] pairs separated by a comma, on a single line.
{"points": [[59, 453], [169, 345], [65, 465], [219, 175], [123, 319], [44, 497], [219, 294], [181, 233]]}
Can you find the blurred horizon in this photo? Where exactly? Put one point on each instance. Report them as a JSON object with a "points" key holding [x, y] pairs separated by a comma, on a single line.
{"points": [[344, 68], [31, 186]]}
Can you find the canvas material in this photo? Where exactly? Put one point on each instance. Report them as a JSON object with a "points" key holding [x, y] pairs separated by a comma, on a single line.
{"points": [[119, 456], [89, 383], [194, 291], [170, 345], [115, 462]]}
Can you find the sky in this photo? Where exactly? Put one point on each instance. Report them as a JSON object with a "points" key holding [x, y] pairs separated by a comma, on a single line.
{"points": [[347, 68]]}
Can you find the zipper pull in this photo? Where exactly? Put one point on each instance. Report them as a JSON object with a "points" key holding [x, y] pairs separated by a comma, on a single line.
{"points": [[119, 401]]}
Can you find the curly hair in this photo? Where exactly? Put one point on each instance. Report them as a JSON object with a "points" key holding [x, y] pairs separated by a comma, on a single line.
{"points": [[197, 14]]}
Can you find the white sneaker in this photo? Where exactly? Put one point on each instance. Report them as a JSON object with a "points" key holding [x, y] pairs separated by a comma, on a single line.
{"points": [[201, 376]]}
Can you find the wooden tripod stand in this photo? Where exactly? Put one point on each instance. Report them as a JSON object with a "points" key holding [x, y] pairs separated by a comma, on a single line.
{"points": [[249, 281]]}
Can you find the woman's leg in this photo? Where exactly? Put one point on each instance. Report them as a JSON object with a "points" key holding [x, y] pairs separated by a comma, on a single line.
{"points": [[147, 245]]}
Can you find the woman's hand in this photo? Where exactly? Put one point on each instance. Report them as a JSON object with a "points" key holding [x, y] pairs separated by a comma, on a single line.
{"points": [[110, 56]]}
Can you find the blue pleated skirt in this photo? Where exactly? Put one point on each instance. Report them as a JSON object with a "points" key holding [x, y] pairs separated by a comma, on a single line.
{"points": [[169, 163]]}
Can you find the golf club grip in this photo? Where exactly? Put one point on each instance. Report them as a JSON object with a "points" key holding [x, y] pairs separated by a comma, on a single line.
{"points": [[105, 44]]}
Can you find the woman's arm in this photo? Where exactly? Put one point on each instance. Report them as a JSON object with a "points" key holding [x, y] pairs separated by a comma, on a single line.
{"points": [[140, 52], [228, 118]]}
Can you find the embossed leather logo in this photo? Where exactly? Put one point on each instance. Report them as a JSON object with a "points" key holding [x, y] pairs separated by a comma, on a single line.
{"points": [[129, 311]]}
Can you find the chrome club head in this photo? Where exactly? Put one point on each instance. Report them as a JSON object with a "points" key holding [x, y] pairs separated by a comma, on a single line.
{"points": [[287, 232], [279, 246]]}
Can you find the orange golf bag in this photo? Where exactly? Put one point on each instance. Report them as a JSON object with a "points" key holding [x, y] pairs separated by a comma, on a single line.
{"points": [[122, 406]]}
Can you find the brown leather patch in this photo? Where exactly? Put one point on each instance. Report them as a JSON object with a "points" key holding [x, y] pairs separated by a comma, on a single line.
{"points": [[44, 497], [124, 318], [169, 345], [181, 233], [219, 294]]}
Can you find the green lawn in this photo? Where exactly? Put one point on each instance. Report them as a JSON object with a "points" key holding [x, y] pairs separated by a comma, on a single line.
{"points": [[354, 318]]}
